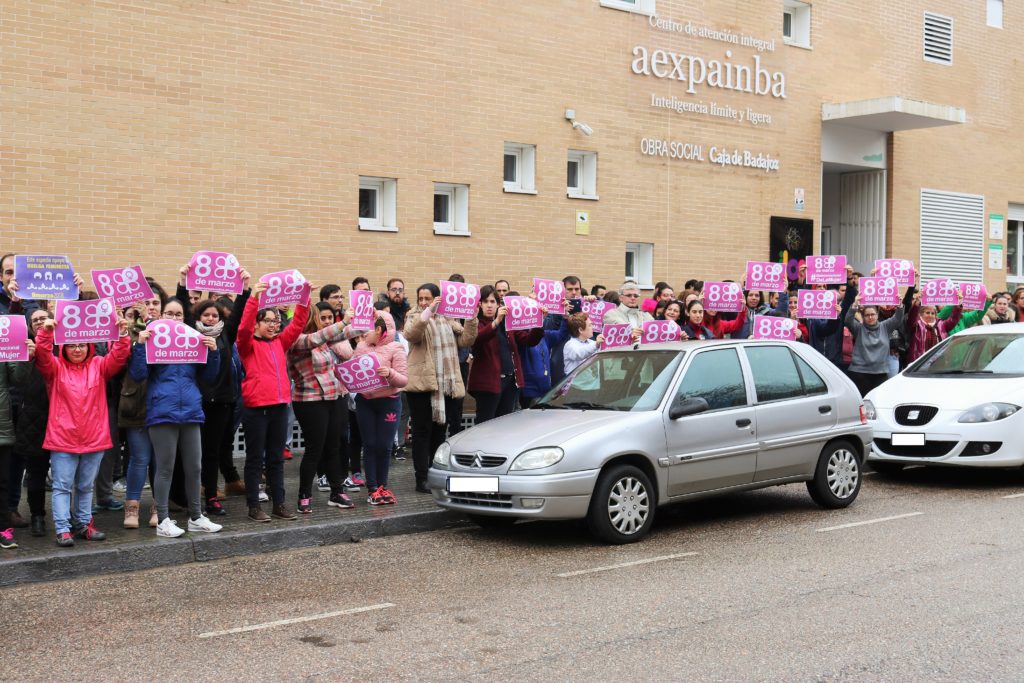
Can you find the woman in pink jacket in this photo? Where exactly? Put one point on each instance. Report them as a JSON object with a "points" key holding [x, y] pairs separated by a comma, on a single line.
{"points": [[78, 427], [377, 411]]}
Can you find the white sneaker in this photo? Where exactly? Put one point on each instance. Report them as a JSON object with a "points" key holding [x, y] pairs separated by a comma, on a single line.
{"points": [[264, 497], [120, 486], [169, 529], [203, 524], [322, 484]]}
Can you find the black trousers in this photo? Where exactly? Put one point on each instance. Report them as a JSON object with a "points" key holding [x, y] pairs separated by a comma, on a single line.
{"points": [[454, 417], [216, 430], [427, 435], [491, 405], [354, 447], [266, 433], [323, 424], [38, 465], [5, 474], [867, 381]]}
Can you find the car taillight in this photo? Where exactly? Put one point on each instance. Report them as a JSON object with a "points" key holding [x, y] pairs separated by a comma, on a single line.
{"points": [[863, 416]]}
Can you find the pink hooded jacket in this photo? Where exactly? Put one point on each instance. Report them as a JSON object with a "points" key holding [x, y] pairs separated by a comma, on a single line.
{"points": [[391, 354]]}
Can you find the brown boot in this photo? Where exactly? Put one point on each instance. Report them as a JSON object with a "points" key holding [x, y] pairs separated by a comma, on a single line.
{"points": [[154, 521], [235, 488], [17, 521], [131, 514]]}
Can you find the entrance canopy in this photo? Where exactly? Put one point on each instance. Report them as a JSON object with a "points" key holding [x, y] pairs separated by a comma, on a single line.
{"points": [[892, 113]]}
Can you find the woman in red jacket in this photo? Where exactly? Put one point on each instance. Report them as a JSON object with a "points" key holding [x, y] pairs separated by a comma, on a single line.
{"points": [[496, 375], [266, 393], [78, 426]]}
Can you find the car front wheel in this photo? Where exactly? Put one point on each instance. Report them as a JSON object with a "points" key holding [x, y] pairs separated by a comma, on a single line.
{"points": [[837, 477], [622, 507]]}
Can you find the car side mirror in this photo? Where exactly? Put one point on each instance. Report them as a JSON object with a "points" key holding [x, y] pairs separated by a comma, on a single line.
{"points": [[689, 406]]}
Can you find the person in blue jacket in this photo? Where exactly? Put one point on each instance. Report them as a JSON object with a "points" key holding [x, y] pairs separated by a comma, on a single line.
{"points": [[174, 413], [537, 368]]}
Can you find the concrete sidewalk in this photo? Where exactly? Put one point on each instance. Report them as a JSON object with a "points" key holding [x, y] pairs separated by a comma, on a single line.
{"points": [[39, 559]]}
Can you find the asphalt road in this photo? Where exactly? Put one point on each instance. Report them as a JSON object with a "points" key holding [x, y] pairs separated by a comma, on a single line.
{"points": [[923, 585]]}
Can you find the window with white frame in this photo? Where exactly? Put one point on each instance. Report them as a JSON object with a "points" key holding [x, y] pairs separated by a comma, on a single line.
{"points": [[640, 264], [581, 175], [520, 168], [994, 13], [638, 6], [451, 209], [378, 203], [796, 23]]}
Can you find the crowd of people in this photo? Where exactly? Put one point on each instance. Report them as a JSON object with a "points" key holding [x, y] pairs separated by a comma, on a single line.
{"points": [[78, 414]]}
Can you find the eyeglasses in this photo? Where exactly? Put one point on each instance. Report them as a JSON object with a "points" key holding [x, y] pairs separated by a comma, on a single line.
{"points": [[178, 316], [271, 321], [397, 290], [630, 296], [40, 320], [336, 297], [72, 347]]}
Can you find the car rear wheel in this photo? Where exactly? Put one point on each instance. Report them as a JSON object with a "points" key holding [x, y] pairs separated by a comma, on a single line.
{"points": [[837, 477], [622, 507], [887, 469], [489, 522]]}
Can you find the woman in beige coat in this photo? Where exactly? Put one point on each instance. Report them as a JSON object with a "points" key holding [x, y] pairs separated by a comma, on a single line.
{"points": [[434, 377]]}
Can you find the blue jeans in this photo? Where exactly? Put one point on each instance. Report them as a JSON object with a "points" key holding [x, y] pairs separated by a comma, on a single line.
{"points": [[73, 471], [378, 425], [140, 455]]}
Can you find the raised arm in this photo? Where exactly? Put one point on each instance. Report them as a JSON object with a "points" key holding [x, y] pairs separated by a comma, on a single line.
{"points": [[247, 327], [237, 309]]}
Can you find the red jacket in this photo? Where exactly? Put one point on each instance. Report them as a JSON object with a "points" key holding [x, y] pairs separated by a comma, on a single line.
{"points": [[78, 420], [720, 327], [266, 380], [485, 373]]}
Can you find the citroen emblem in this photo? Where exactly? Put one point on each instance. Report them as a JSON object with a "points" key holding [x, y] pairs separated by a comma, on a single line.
{"points": [[478, 459]]}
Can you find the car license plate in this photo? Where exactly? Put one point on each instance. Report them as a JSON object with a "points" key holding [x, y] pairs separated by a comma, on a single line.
{"points": [[472, 484], [908, 439]]}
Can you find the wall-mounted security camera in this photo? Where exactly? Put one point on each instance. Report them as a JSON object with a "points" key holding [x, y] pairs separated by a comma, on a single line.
{"points": [[583, 128]]}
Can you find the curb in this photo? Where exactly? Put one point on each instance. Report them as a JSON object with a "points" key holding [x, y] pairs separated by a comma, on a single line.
{"points": [[128, 557]]}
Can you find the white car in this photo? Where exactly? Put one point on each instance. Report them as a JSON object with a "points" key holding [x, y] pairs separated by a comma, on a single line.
{"points": [[959, 404]]}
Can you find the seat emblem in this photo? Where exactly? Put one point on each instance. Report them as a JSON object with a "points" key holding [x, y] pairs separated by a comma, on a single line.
{"points": [[913, 414]]}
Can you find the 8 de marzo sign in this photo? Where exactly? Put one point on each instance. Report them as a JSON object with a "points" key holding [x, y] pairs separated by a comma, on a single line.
{"points": [[719, 156]]}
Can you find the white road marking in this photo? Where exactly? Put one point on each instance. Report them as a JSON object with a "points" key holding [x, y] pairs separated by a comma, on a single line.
{"points": [[295, 620], [1015, 495], [579, 572], [870, 521]]}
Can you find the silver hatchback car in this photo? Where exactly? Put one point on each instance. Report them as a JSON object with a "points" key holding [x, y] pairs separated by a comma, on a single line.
{"points": [[633, 429]]}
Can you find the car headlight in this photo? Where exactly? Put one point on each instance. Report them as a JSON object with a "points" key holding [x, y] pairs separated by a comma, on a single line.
{"points": [[989, 412], [869, 410], [536, 458], [443, 456]]}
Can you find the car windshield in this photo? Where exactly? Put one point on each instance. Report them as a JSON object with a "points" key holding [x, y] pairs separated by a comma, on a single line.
{"points": [[616, 380], [984, 355]]}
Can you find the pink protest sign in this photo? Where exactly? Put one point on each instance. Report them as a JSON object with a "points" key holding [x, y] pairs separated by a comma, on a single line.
{"points": [[124, 285], [522, 313], [172, 341], [899, 268], [816, 303], [214, 271], [85, 322], [550, 294], [771, 327], [940, 292], [723, 297], [618, 334], [284, 288], [595, 310], [879, 291], [766, 276], [975, 295], [363, 313], [13, 335], [655, 331], [359, 375], [826, 270], [458, 300]]}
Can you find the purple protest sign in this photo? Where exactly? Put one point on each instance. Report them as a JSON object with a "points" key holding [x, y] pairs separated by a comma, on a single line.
{"points": [[656, 331], [458, 300], [522, 313], [618, 334], [550, 294], [13, 338], [975, 295], [363, 312], [816, 303], [45, 277], [85, 322], [826, 270], [766, 276], [723, 297], [771, 327], [172, 341], [284, 288], [595, 310], [940, 292], [879, 291], [359, 375], [214, 271], [899, 268], [124, 285]]}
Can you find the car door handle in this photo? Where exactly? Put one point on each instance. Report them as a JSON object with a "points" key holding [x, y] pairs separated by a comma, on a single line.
{"points": [[825, 410], [743, 423]]}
